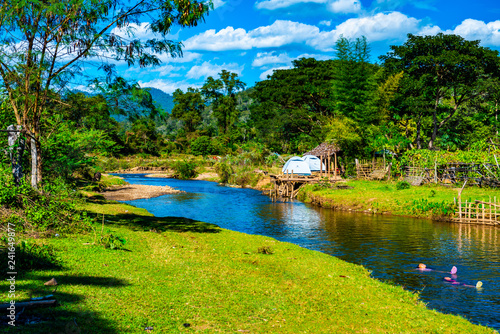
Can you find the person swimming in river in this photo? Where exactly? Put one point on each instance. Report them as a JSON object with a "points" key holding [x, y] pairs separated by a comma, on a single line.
{"points": [[478, 285], [423, 267]]}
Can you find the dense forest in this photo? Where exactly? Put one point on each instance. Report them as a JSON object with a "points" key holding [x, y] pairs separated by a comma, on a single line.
{"points": [[437, 92]]}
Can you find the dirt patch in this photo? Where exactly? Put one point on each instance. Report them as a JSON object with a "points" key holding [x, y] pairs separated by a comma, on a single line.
{"points": [[261, 185], [165, 175], [132, 192], [207, 176], [143, 169]]}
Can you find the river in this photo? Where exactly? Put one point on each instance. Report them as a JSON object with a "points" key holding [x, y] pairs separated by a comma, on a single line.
{"points": [[391, 247]]}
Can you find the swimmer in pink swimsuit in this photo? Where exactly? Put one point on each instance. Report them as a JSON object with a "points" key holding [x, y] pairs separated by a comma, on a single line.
{"points": [[423, 267], [478, 285]]}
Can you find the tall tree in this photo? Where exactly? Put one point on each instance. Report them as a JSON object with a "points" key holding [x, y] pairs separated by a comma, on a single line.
{"points": [[43, 43], [188, 108], [353, 84], [291, 104], [222, 95], [450, 71]]}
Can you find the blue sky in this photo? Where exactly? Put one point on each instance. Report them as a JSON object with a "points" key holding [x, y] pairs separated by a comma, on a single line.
{"points": [[252, 38]]}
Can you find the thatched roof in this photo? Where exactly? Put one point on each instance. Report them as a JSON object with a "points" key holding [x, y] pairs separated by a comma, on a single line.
{"points": [[324, 149]]}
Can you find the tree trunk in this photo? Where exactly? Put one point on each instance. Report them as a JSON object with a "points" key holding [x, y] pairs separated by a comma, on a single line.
{"points": [[16, 143], [434, 123], [496, 117], [39, 162], [419, 129], [34, 163]]}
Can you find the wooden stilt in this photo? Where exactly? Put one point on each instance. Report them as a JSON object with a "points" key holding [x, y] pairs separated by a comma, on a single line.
{"points": [[335, 162]]}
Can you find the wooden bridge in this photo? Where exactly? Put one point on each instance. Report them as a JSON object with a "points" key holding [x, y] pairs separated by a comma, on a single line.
{"points": [[287, 186]]}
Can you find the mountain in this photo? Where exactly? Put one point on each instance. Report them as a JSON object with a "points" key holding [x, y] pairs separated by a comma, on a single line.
{"points": [[164, 100]]}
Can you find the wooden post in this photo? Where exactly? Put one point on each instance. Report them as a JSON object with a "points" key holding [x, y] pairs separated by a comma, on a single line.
{"points": [[320, 166], [460, 209], [329, 165], [435, 171], [490, 210], [335, 157], [465, 213], [470, 209], [484, 217]]}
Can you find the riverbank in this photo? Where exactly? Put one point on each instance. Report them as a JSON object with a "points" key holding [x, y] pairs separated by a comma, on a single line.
{"points": [[132, 192], [383, 197], [177, 275]]}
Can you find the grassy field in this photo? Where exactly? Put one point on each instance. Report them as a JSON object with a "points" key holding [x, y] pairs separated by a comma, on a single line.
{"points": [[177, 275], [427, 201]]}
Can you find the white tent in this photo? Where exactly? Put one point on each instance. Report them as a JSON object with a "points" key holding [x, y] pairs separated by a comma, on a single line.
{"points": [[296, 165], [314, 163]]}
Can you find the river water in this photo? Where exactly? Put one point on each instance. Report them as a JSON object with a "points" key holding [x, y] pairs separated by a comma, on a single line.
{"points": [[391, 247]]}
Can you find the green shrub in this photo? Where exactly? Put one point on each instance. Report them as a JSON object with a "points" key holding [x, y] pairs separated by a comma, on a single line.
{"points": [[185, 169], [111, 241], [224, 170], [267, 250], [402, 185], [51, 207], [423, 206], [202, 146], [32, 256]]}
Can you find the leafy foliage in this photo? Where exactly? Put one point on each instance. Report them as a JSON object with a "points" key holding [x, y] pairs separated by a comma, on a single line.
{"points": [[188, 108], [44, 43], [185, 169], [224, 171], [221, 94], [401, 185], [31, 255], [202, 146], [51, 209], [449, 72]]}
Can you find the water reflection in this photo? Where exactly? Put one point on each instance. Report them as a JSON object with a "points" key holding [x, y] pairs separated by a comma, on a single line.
{"points": [[389, 246]]}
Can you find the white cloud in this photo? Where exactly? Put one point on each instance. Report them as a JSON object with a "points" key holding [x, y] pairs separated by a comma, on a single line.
{"points": [[345, 6], [470, 29], [488, 33], [218, 3], [325, 23], [429, 30], [266, 58], [167, 86], [167, 70], [141, 31], [382, 26], [271, 58], [280, 33], [336, 6], [186, 57], [208, 69], [226, 39], [263, 75], [277, 4]]}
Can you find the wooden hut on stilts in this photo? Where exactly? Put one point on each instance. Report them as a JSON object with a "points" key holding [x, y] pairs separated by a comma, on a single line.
{"points": [[328, 154], [288, 184]]}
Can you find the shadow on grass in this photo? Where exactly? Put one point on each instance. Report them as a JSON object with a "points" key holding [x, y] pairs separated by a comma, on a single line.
{"points": [[160, 224], [62, 318]]}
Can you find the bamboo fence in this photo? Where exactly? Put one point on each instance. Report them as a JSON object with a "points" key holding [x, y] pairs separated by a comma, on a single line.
{"points": [[478, 212]]}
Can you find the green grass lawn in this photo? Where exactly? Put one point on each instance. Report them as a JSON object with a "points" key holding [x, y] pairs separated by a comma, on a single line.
{"points": [[182, 276], [429, 201]]}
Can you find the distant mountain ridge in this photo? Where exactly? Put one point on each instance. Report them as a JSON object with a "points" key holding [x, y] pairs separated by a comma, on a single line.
{"points": [[162, 99]]}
